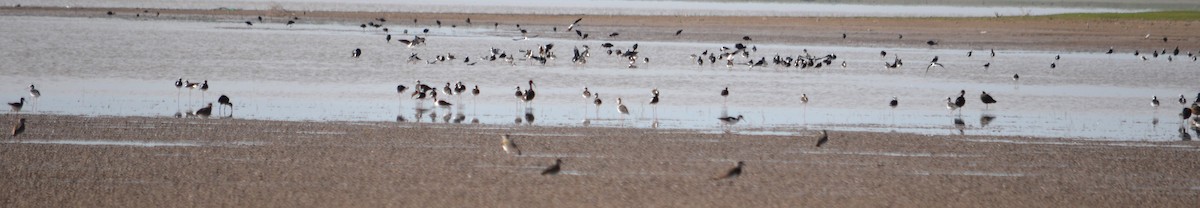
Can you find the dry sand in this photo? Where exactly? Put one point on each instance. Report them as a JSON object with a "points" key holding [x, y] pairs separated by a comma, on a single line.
{"points": [[248, 163]]}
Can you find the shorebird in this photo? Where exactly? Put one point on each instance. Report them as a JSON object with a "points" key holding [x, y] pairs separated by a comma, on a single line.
{"points": [[597, 102], [509, 146], [475, 91], [986, 65], [586, 93], [804, 98], [746, 38], [960, 101], [224, 101], [1187, 113], [950, 104], [654, 100], [205, 111], [824, 138], [203, 89], [993, 52], [1153, 101], [248, 23], [987, 99], [1016, 77], [894, 102], [621, 107], [678, 32], [529, 93], [18, 104], [573, 24], [357, 52], [553, 169], [731, 120], [1182, 100], [36, 93], [290, 23], [732, 173], [20, 127]]}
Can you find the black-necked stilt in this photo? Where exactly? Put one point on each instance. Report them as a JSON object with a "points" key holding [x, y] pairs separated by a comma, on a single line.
{"points": [[1110, 50], [894, 102], [224, 101], [530, 93], [573, 24], [509, 146], [1187, 113], [993, 52], [597, 102], [746, 38], [1154, 101], [677, 32], [732, 173], [357, 52], [586, 93], [987, 99], [1016, 77], [804, 98], [987, 65], [205, 111], [203, 89], [654, 101], [731, 120], [823, 139], [17, 105], [290, 23], [248, 23], [1182, 100], [931, 43], [553, 169], [960, 101]]}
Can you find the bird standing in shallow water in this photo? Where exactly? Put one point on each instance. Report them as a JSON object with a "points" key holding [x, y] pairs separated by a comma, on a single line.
{"points": [[18, 104], [19, 128], [731, 120], [987, 99], [894, 102], [732, 173], [1182, 100], [1153, 101], [553, 169]]}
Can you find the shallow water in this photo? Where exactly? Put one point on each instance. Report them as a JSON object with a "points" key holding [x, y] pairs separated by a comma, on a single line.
{"points": [[633, 7], [127, 67]]}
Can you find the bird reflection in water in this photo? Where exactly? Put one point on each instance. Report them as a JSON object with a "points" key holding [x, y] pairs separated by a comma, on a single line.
{"points": [[960, 125], [529, 118], [985, 120]]}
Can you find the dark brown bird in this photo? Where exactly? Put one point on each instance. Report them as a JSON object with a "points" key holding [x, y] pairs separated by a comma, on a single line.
{"points": [[20, 127], [205, 111], [824, 138], [554, 169], [732, 173]]}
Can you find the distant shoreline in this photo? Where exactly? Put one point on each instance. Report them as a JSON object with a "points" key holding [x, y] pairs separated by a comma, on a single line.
{"points": [[1069, 32]]}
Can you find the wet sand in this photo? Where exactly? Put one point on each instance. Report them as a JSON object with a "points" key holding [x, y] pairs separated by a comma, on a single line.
{"points": [[1029, 33], [142, 161]]}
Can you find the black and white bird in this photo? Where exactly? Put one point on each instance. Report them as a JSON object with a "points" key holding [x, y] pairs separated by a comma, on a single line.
{"points": [[732, 173], [553, 169], [987, 99], [894, 102], [357, 52], [1153, 101], [1182, 100], [960, 101], [18, 104], [224, 101], [731, 120]]}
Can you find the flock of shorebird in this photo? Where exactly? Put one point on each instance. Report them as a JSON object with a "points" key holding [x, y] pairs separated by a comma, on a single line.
{"points": [[630, 55], [509, 146]]}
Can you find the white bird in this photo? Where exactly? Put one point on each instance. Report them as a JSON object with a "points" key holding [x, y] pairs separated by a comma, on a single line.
{"points": [[621, 107]]}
